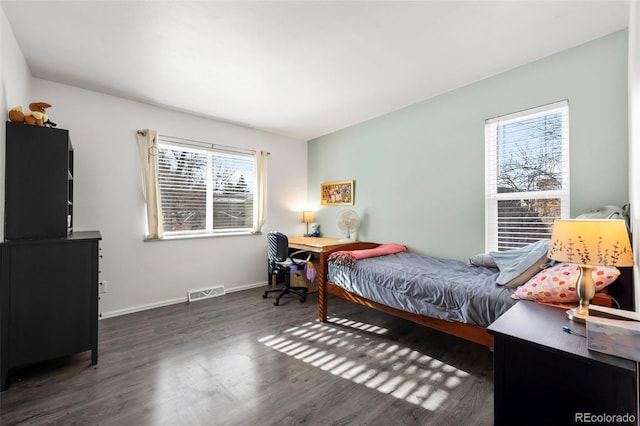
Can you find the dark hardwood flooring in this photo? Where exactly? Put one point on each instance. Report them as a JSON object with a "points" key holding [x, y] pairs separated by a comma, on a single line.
{"points": [[239, 360]]}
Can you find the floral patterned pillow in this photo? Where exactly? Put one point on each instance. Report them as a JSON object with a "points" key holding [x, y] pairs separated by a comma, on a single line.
{"points": [[558, 283]]}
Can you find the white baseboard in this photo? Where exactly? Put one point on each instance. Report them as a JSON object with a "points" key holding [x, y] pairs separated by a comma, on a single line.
{"points": [[247, 287], [134, 309]]}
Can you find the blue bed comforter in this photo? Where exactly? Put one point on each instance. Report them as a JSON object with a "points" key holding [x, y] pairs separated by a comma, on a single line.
{"points": [[440, 288]]}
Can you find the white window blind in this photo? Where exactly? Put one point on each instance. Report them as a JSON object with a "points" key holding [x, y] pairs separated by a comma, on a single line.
{"points": [[204, 189], [527, 175]]}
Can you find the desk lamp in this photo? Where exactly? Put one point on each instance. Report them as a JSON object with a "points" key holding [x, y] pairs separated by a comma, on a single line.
{"points": [[589, 242], [307, 217]]}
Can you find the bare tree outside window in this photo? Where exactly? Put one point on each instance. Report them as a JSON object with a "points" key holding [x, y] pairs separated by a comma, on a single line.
{"points": [[182, 180], [531, 157], [232, 199]]}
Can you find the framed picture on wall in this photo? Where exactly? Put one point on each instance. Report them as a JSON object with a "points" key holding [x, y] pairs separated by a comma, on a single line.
{"points": [[337, 193]]}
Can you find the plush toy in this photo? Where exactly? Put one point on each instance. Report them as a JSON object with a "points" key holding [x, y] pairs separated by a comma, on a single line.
{"points": [[36, 116], [315, 229]]}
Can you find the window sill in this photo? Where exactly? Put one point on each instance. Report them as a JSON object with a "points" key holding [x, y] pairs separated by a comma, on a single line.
{"points": [[198, 236]]}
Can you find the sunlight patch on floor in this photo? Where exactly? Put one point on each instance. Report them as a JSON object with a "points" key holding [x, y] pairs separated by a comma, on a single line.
{"points": [[350, 352]]}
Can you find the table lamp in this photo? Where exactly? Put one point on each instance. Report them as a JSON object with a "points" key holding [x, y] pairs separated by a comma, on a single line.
{"points": [[307, 217], [589, 242]]}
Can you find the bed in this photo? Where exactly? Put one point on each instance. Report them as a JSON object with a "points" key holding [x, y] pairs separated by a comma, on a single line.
{"points": [[444, 294]]}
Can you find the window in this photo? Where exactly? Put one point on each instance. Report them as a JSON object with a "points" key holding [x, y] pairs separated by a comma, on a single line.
{"points": [[204, 190], [527, 175]]}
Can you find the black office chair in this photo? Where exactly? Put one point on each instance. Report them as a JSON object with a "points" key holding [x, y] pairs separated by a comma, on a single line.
{"points": [[280, 262]]}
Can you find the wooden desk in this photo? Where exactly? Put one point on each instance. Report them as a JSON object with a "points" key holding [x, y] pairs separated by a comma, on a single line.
{"points": [[543, 375], [314, 244], [319, 245]]}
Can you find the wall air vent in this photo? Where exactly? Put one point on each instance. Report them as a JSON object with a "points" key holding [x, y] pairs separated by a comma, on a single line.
{"points": [[205, 293]]}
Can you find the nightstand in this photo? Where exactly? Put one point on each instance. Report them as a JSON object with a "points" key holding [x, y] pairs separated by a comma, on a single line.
{"points": [[543, 375]]}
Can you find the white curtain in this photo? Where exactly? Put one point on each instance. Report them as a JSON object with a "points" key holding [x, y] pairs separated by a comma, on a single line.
{"points": [[148, 147], [260, 198]]}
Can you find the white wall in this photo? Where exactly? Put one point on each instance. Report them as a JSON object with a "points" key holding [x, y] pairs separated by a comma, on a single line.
{"points": [[15, 79], [634, 135], [108, 195], [14, 70]]}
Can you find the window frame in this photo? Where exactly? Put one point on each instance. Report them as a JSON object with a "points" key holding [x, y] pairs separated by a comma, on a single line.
{"points": [[492, 196], [210, 151]]}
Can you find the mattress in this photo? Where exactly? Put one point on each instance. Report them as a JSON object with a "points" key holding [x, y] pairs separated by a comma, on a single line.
{"points": [[441, 288]]}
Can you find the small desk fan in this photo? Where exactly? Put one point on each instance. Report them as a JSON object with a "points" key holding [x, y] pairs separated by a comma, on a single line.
{"points": [[348, 223]]}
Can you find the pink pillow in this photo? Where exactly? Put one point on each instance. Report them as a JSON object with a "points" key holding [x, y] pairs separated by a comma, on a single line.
{"points": [[558, 283]]}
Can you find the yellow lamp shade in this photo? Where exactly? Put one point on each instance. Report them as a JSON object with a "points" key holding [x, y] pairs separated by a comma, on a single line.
{"points": [[307, 216], [602, 242]]}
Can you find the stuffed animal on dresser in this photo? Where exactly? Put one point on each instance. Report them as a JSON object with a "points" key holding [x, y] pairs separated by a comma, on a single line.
{"points": [[36, 116]]}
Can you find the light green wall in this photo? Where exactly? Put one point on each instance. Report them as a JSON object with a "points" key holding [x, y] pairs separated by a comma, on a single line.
{"points": [[419, 171]]}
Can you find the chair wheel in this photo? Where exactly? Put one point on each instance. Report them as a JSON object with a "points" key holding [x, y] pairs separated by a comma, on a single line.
{"points": [[303, 299], [264, 295], [276, 303]]}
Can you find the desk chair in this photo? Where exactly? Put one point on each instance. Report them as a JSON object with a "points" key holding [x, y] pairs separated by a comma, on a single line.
{"points": [[280, 263]]}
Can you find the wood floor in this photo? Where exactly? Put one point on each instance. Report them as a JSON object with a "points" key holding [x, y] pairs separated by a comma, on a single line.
{"points": [[239, 360]]}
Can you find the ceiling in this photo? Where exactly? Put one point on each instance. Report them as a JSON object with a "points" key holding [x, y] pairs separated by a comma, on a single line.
{"points": [[297, 68]]}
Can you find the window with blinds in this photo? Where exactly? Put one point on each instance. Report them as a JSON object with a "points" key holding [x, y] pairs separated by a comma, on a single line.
{"points": [[205, 190], [527, 175]]}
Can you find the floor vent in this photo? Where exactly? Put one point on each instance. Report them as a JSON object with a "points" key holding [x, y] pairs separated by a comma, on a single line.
{"points": [[205, 293]]}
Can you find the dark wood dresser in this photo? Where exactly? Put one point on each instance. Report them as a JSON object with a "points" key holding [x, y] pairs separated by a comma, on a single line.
{"points": [[48, 273], [48, 300]]}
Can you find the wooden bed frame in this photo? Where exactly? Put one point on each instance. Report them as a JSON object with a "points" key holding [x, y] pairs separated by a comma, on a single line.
{"points": [[469, 332]]}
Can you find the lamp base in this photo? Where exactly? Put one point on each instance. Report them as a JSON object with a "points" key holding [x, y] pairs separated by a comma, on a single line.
{"points": [[578, 314], [586, 289]]}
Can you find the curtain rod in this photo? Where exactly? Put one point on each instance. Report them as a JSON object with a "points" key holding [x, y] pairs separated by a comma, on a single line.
{"points": [[200, 144]]}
